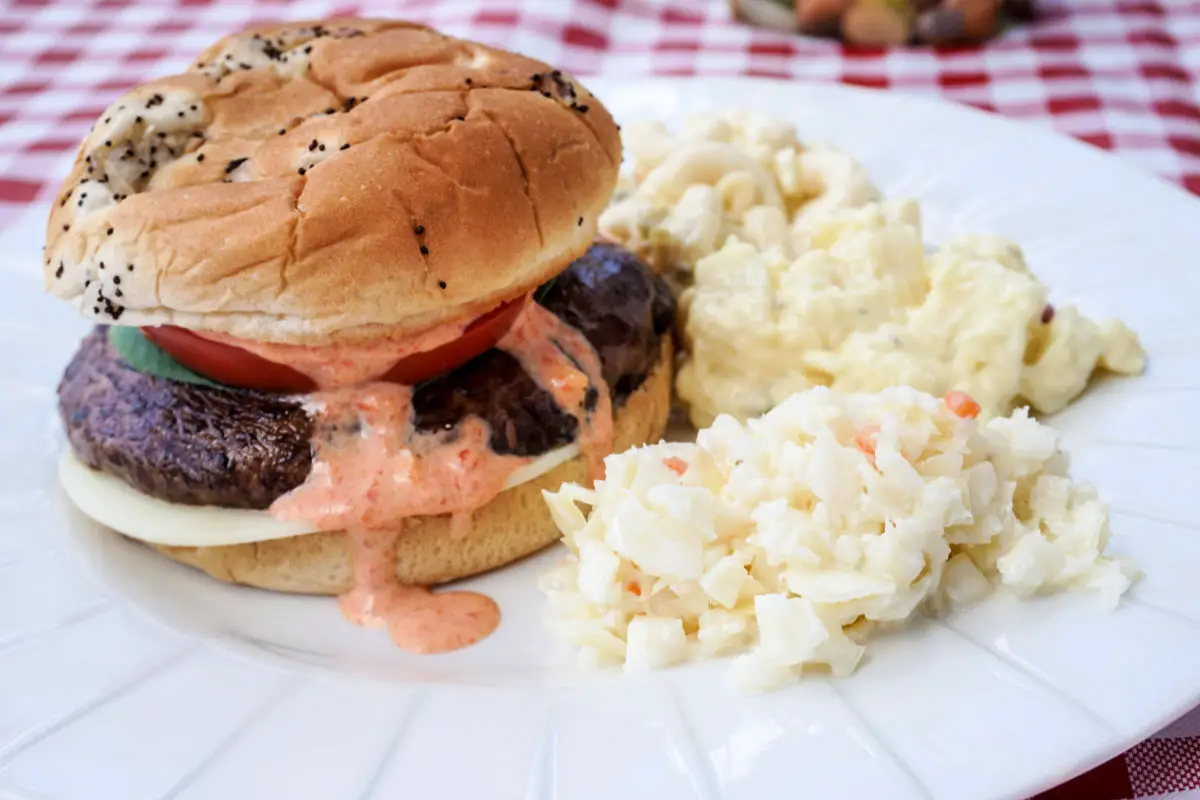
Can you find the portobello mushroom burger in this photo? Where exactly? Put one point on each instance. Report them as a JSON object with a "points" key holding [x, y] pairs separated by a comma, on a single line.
{"points": [[350, 316]]}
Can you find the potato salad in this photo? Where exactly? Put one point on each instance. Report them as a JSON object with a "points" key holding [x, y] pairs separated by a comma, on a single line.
{"points": [[795, 273]]}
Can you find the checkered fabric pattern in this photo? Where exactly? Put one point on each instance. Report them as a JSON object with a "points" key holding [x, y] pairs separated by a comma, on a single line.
{"points": [[1120, 74], [1116, 73]]}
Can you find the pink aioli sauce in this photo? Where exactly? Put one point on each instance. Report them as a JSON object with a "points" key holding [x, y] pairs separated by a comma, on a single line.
{"points": [[563, 362], [334, 365], [371, 471]]}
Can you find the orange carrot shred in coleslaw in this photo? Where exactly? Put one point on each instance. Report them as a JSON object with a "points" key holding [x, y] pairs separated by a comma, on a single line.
{"points": [[962, 404]]}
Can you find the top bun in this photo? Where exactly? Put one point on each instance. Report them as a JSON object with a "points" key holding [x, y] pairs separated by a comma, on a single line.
{"points": [[328, 181]]}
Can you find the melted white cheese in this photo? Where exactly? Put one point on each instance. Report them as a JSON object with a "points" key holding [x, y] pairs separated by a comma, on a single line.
{"points": [[117, 505]]}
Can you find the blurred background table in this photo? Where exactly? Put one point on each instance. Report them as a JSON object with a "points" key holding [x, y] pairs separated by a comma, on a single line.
{"points": [[1120, 74]]}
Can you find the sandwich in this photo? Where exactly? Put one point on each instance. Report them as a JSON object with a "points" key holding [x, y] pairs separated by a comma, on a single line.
{"points": [[350, 316]]}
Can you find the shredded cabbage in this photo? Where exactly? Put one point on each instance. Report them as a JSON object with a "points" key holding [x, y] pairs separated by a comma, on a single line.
{"points": [[788, 537]]}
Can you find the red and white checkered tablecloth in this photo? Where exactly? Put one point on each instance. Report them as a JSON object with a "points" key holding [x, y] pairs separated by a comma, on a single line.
{"points": [[1120, 74]]}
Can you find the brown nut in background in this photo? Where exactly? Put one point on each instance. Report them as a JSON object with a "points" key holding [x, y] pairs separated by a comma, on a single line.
{"points": [[875, 22], [821, 17]]}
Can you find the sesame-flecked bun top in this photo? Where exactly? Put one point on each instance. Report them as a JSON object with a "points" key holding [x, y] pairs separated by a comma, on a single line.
{"points": [[334, 181]]}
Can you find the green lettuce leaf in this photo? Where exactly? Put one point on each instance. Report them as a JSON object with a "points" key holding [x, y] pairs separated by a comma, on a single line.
{"points": [[543, 290], [148, 358]]}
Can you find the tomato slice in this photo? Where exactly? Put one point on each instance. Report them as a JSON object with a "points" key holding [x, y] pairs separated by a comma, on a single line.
{"points": [[479, 337], [226, 363], [231, 365]]}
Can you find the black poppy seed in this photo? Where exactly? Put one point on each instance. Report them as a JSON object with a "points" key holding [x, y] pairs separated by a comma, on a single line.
{"points": [[312, 145], [424, 250], [583, 109], [66, 227], [108, 119], [87, 283], [82, 194], [308, 48], [193, 108], [181, 114], [321, 147], [234, 164], [420, 229], [618, 129], [344, 147], [441, 284], [468, 81], [129, 267], [241, 64], [197, 135], [302, 170], [200, 157], [95, 309], [119, 293], [282, 131], [79, 204], [460, 119], [101, 265], [109, 232], [579, 221], [145, 174], [58, 273], [331, 110], [137, 119], [116, 278], [228, 57]]}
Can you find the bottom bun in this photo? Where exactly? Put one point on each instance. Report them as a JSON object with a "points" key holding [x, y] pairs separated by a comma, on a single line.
{"points": [[513, 525]]}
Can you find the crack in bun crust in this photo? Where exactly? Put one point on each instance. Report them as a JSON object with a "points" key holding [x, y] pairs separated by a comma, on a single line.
{"points": [[513, 525], [275, 190]]}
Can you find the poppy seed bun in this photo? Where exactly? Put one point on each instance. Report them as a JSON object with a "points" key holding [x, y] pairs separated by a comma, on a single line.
{"points": [[514, 524], [336, 181]]}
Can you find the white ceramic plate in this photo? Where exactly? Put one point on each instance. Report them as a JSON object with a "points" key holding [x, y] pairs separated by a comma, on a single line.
{"points": [[125, 676]]}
